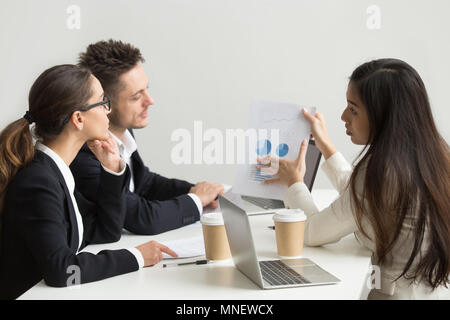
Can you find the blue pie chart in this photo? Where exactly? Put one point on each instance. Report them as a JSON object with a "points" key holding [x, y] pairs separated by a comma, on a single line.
{"points": [[282, 150], [263, 147]]}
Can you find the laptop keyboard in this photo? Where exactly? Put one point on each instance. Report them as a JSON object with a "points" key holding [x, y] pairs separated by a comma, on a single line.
{"points": [[276, 273], [264, 203]]}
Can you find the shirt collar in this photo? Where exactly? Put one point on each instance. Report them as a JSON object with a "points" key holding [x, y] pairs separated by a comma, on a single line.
{"points": [[127, 146], [62, 166]]}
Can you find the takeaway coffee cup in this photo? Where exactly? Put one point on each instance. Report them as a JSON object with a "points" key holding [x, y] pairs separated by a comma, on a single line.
{"points": [[289, 230], [215, 237]]}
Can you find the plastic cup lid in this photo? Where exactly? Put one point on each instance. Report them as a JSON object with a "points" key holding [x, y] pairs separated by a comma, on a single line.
{"points": [[293, 215], [212, 219]]}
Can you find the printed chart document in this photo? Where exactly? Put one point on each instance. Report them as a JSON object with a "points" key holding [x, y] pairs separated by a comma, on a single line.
{"points": [[278, 130]]}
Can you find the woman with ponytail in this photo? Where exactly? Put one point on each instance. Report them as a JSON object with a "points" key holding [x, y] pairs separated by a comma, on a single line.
{"points": [[396, 199], [16, 151], [44, 220]]}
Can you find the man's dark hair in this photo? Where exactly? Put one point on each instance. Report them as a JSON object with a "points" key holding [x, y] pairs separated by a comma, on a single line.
{"points": [[108, 60]]}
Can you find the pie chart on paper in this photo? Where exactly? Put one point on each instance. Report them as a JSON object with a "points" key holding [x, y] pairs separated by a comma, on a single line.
{"points": [[282, 150], [263, 147]]}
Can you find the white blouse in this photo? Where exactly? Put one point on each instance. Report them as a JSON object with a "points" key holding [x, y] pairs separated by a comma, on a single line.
{"points": [[338, 221]]}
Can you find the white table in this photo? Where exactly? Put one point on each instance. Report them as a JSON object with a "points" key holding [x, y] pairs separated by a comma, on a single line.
{"points": [[346, 259]]}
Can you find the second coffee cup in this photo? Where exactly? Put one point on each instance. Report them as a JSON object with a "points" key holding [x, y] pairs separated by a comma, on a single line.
{"points": [[215, 237], [289, 230]]}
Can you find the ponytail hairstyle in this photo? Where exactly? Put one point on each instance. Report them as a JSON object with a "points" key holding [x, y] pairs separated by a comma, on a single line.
{"points": [[53, 96], [407, 169]]}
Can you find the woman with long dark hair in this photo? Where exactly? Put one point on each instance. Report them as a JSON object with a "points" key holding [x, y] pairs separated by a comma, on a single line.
{"points": [[45, 221], [396, 199]]}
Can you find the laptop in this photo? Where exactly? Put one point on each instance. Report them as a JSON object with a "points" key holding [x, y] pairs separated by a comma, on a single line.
{"points": [[255, 205], [272, 274]]}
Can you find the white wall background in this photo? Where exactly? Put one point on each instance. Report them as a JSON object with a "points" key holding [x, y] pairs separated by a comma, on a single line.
{"points": [[207, 59]]}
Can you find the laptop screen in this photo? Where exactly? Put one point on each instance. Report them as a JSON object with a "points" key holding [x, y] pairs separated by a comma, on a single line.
{"points": [[240, 238], [313, 157]]}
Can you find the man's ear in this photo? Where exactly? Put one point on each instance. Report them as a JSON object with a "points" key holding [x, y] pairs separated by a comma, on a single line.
{"points": [[77, 120]]}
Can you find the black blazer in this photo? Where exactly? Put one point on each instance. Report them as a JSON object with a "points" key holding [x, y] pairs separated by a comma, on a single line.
{"points": [[157, 205], [39, 236]]}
